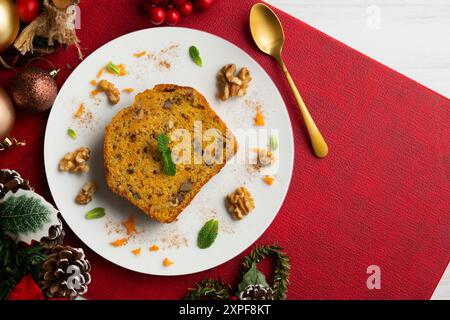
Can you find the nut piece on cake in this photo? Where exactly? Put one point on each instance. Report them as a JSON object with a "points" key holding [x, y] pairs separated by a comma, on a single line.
{"points": [[232, 85], [135, 163], [240, 203], [76, 161]]}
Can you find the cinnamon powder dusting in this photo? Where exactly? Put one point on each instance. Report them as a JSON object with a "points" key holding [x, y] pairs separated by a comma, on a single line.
{"points": [[165, 64], [165, 57]]}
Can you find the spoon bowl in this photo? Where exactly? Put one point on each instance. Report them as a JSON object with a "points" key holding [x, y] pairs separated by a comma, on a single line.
{"points": [[266, 30]]}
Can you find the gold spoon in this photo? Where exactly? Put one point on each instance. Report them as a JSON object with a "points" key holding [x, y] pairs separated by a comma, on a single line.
{"points": [[268, 34]]}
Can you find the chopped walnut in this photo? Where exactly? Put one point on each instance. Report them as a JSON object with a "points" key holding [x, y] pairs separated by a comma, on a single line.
{"points": [[138, 114], [86, 193], [176, 199], [232, 85], [240, 203], [76, 161], [111, 91], [265, 158]]}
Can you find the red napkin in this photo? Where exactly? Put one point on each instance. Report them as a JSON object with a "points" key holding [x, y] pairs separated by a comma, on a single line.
{"points": [[380, 198]]}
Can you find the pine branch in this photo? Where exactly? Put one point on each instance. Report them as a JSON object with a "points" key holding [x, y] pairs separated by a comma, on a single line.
{"points": [[282, 267], [209, 288], [16, 262]]}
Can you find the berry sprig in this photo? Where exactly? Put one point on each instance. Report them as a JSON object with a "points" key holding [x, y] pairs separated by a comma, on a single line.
{"points": [[172, 11]]}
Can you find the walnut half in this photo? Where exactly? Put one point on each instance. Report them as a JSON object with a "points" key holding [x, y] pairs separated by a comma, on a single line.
{"points": [[86, 193], [240, 203], [76, 161], [232, 85], [111, 91]]}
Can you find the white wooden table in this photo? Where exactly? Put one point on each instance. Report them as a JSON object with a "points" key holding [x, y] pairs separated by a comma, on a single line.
{"points": [[410, 36]]}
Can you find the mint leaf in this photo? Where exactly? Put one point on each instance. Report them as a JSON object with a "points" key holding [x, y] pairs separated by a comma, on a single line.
{"points": [[72, 133], [169, 167], [252, 277], [195, 55], [208, 234], [163, 143], [96, 213]]}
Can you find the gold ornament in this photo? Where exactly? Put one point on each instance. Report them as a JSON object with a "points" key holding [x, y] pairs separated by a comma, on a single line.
{"points": [[7, 116], [9, 24]]}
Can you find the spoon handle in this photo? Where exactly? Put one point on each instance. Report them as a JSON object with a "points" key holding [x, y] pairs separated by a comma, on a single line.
{"points": [[318, 143]]}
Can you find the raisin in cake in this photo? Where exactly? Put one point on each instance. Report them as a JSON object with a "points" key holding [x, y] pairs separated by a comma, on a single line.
{"points": [[133, 164]]}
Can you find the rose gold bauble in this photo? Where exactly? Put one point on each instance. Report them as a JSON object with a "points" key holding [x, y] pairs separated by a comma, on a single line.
{"points": [[34, 90], [7, 114], [9, 24]]}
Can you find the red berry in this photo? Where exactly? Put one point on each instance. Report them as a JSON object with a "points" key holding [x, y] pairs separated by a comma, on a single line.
{"points": [[204, 4], [186, 8], [156, 1], [172, 17], [178, 2], [157, 15], [28, 9]]}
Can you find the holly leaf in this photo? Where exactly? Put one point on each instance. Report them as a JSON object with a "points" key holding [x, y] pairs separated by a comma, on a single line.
{"points": [[252, 277], [26, 216]]}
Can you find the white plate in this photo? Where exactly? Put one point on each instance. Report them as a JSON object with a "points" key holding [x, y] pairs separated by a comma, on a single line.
{"points": [[178, 241]]}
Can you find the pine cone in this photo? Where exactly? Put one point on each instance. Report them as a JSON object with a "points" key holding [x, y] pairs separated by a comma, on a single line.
{"points": [[55, 237], [256, 292], [11, 180], [66, 273]]}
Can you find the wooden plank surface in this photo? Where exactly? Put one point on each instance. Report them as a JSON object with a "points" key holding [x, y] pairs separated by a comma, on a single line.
{"points": [[410, 36]]}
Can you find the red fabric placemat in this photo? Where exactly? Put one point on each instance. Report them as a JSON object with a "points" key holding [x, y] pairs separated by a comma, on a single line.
{"points": [[381, 197]]}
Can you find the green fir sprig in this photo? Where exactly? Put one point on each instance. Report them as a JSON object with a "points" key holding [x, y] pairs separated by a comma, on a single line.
{"points": [[16, 261], [210, 288]]}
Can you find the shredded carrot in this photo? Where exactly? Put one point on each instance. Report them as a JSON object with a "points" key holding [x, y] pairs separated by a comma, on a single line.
{"points": [[137, 252], [259, 120], [100, 73], [79, 111], [128, 90], [154, 248], [120, 242], [95, 92], [123, 70], [140, 54], [167, 262], [130, 225], [93, 83], [269, 180]]}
